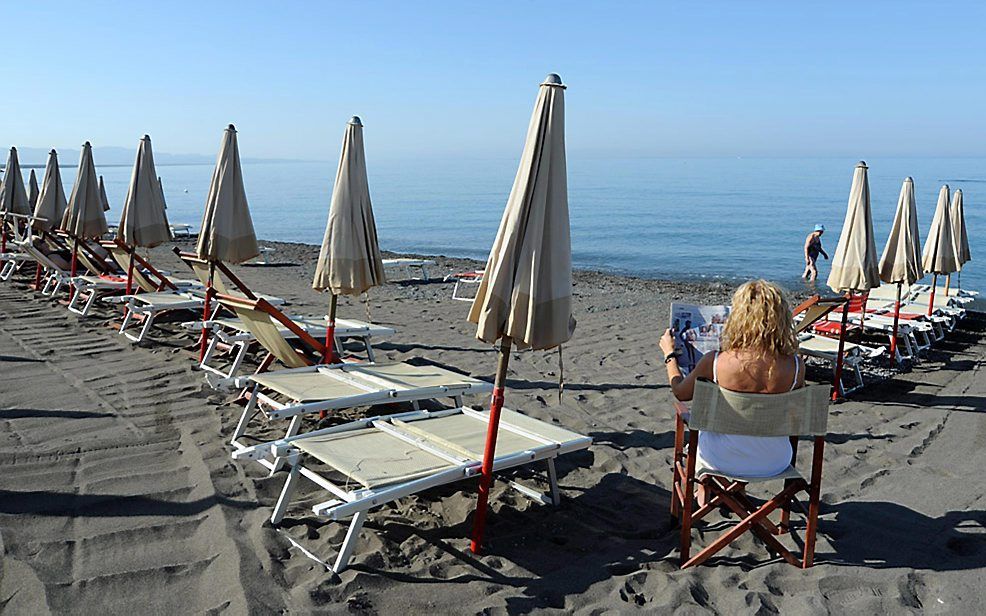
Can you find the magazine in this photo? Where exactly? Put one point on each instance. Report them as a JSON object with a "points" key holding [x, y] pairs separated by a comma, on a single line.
{"points": [[696, 331]]}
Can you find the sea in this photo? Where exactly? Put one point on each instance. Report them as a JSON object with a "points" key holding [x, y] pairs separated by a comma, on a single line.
{"points": [[724, 219]]}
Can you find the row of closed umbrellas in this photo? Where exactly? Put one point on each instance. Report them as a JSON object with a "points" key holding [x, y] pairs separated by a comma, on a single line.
{"points": [[524, 299]]}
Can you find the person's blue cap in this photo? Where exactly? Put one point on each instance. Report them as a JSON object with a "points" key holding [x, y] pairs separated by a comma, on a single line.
{"points": [[819, 227]]}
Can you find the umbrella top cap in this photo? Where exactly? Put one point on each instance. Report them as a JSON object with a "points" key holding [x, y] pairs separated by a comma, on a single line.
{"points": [[862, 164], [87, 145], [355, 121], [553, 80], [145, 138], [231, 127], [909, 179], [53, 152]]}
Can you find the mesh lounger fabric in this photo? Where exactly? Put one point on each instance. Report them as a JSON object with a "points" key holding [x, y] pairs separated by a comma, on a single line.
{"points": [[374, 458], [309, 386], [164, 298]]}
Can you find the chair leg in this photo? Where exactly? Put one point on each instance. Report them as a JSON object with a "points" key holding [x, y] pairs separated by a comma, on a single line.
{"points": [[686, 520], [814, 492], [369, 349], [349, 543], [553, 480], [293, 429], [248, 412]]}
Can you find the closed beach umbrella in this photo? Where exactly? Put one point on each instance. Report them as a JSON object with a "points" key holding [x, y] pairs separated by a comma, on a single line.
{"points": [[940, 257], [959, 233], [143, 222], [854, 266], [13, 197], [901, 260], [32, 190], [102, 195], [525, 298], [83, 216], [52, 202], [227, 231], [349, 262]]}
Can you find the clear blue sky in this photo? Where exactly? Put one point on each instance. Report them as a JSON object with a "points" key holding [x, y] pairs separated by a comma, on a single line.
{"points": [[454, 78]]}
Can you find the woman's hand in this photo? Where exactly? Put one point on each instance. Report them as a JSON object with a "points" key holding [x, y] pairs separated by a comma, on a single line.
{"points": [[667, 343]]}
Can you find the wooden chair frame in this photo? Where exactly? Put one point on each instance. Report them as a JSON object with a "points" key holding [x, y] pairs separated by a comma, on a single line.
{"points": [[730, 493]]}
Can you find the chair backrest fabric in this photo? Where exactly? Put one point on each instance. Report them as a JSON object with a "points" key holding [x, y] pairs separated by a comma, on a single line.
{"points": [[799, 412]]}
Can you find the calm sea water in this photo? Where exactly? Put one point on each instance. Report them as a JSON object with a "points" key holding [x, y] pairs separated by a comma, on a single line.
{"points": [[667, 218]]}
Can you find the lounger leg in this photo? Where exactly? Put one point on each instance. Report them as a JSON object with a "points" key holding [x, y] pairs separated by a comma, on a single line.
{"points": [[458, 401], [287, 491], [349, 543], [245, 417], [127, 316], [148, 321], [7, 271], [238, 360], [209, 350], [293, 429], [553, 480], [369, 349]]}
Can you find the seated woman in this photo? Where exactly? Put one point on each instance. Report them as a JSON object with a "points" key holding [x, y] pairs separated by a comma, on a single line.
{"points": [[759, 354]]}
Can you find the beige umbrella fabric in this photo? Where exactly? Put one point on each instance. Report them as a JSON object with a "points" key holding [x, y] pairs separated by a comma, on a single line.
{"points": [[32, 190], [854, 266], [350, 262], [143, 221], [901, 260], [960, 236], [13, 195], [227, 230], [84, 215], [102, 195], [940, 256], [526, 293], [52, 203]]}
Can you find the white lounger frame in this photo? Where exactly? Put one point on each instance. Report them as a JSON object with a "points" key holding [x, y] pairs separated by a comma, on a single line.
{"points": [[356, 503], [86, 292], [388, 393], [135, 305]]}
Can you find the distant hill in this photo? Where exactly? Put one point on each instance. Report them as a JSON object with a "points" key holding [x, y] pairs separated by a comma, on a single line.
{"points": [[113, 156]]}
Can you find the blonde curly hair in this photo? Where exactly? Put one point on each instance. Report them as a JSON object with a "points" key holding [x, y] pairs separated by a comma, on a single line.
{"points": [[760, 320]]}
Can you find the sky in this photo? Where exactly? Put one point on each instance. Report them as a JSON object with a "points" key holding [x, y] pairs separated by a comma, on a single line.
{"points": [[434, 79]]}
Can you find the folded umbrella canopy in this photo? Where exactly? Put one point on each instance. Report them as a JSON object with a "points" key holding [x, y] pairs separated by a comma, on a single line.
{"points": [[854, 265], [900, 263], [227, 230], [51, 203], [525, 298], [102, 195], [959, 234], [13, 196], [940, 258], [349, 262], [32, 191], [143, 221], [83, 217]]}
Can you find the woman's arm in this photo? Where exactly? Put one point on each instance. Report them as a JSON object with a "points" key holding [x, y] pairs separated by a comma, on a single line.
{"points": [[683, 387]]}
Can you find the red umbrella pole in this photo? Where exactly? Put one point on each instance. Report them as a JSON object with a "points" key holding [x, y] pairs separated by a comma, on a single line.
{"points": [[489, 452], [934, 286], [130, 270], [948, 283], [75, 255], [204, 339], [893, 337], [37, 278], [837, 382]]}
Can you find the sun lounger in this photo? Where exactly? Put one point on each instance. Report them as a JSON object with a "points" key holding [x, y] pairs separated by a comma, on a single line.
{"points": [[827, 349], [421, 265], [375, 461], [463, 279], [156, 292]]}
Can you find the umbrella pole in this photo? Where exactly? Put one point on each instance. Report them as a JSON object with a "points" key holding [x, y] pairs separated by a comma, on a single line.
{"points": [[837, 382], [130, 270], [204, 339], [37, 278], [75, 256], [934, 286], [893, 337], [489, 452], [948, 283], [330, 332], [3, 233]]}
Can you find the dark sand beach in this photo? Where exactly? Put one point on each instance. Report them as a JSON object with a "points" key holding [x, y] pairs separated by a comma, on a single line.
{"points": [[118, 494]]}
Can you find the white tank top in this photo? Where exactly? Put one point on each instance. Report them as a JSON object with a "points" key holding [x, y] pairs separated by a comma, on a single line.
{"points": [[745, 456]]}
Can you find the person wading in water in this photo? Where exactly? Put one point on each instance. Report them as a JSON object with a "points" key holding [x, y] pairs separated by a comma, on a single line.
{"points": [[813, 247]]}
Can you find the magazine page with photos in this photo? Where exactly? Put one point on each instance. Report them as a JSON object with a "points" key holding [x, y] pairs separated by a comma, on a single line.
{"points": [[696, 330]]}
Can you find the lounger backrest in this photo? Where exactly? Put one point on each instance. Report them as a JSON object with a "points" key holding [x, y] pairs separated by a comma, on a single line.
{"points": [[201, 268], [796, 413], [121, 254], [41, 258], [261, 319], [814, 309]]}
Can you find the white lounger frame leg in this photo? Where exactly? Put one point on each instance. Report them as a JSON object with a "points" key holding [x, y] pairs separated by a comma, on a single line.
{"points": [[130, 310], [80, 288]]}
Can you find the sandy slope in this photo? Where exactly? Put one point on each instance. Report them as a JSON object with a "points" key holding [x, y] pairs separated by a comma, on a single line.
{"points": [[118, 492]]}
